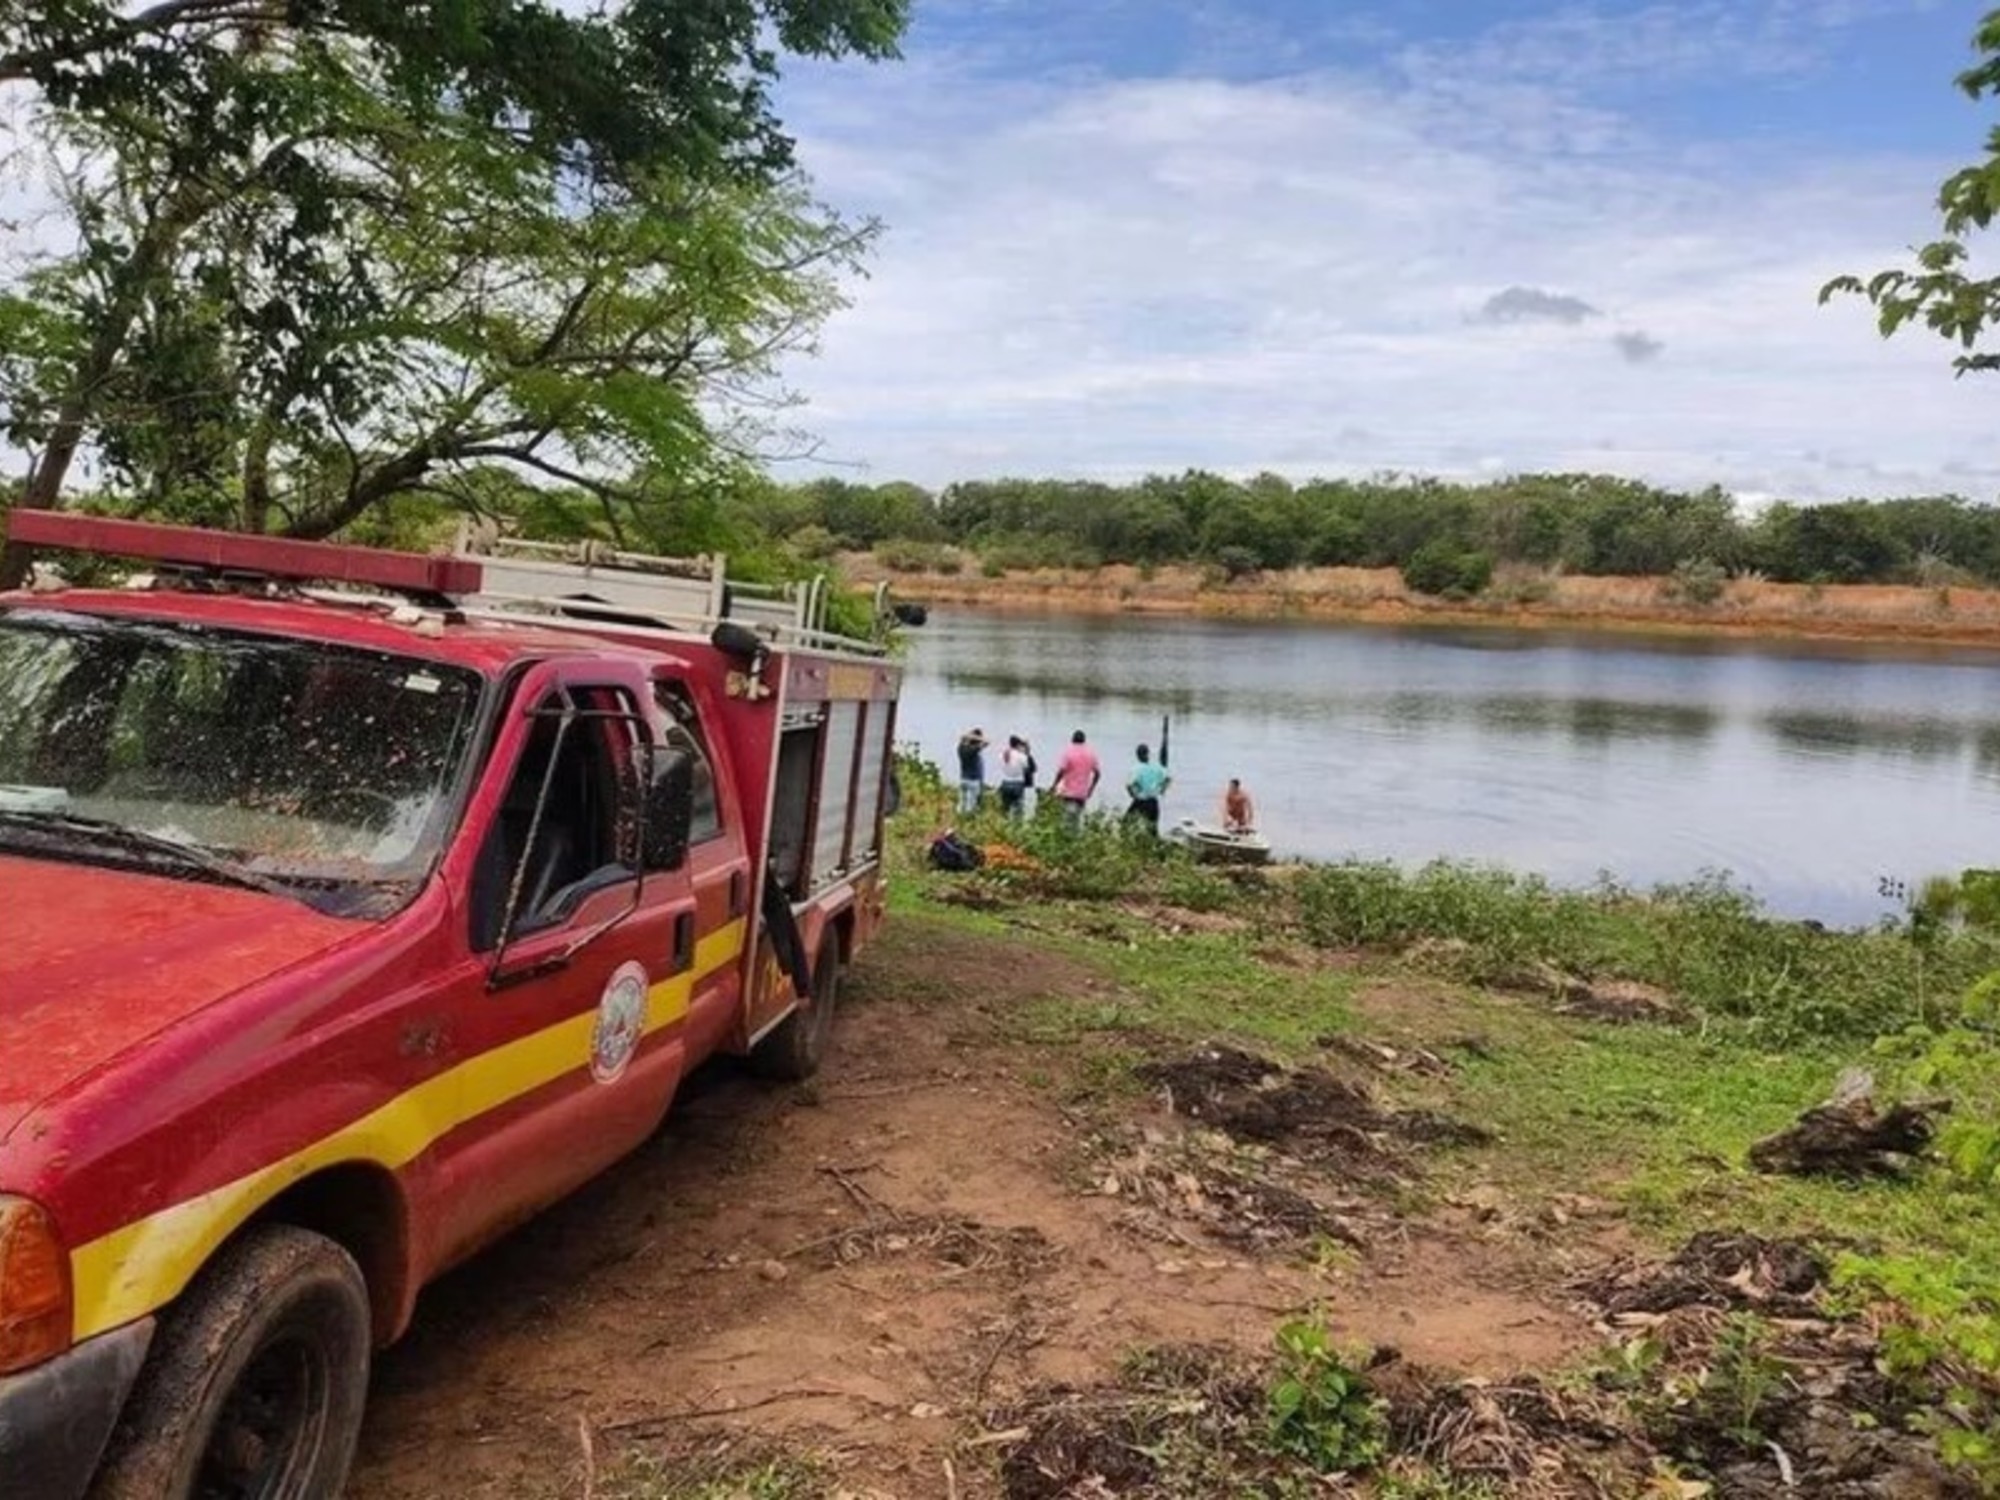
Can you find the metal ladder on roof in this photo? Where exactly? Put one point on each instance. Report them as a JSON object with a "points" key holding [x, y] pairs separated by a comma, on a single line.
{"points": [[583, 582]]}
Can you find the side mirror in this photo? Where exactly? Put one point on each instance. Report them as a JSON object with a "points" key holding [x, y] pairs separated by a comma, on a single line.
{"points": [[733, 638], [912, 615], [668, 815]]}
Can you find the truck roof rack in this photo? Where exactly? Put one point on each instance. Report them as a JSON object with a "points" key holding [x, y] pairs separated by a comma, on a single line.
{"points": [[589, 583], [577, 584]]}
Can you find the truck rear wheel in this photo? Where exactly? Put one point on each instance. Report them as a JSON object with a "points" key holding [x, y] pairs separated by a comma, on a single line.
{"points": [[256, 1382], [796, 1048]]}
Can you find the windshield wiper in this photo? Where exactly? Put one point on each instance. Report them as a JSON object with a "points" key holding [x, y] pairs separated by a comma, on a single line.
{"points": [[138, 840]]}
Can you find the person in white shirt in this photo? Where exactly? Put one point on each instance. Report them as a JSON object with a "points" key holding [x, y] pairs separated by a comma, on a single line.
{"points": [[1017, 774]]}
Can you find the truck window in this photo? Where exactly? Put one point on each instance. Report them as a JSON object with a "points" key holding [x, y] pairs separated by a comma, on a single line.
{"points": [[327, 770], [791, 806], [575, 849], [682, 731]]}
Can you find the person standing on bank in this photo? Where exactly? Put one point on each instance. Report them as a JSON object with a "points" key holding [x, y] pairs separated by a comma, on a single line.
{"points": [[971, 769], [1146, 785], [1077, 775], [1017, 774]]}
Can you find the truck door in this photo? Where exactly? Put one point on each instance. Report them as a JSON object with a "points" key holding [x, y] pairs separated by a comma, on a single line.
{"points": [[718, 866], [571, 1014]]}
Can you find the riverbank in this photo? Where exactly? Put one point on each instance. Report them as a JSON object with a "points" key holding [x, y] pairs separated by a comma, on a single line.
{"points": [[1947, 616], [1130, 1178]]}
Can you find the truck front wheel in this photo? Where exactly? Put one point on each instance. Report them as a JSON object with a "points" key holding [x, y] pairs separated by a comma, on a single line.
{"points": [[797, 1047], [256, 1382]]}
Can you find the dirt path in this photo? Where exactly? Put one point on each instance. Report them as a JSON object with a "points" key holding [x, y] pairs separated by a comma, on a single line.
{"points": [[863, 1268]]}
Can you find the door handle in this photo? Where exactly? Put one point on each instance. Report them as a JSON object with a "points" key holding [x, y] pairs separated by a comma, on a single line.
{"points": [[683, 942], [737, 888]]}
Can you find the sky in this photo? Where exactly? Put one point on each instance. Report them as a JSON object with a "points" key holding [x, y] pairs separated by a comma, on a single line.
{"points": [[1464, 237]]}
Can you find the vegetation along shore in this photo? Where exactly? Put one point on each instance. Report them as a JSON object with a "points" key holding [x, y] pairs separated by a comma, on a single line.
{"points": [[1535, 549], [1526, 598], [1135, 1177]]}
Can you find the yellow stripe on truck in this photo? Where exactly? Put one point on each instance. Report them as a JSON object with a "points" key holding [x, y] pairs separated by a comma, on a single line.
{"points": [[144, 1265]]}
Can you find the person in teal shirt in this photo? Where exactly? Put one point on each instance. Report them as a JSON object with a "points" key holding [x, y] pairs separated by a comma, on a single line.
{"points": [[1146, 785]]}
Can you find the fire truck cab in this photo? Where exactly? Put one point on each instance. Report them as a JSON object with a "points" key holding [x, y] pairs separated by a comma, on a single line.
{"points": [[354, 906]]}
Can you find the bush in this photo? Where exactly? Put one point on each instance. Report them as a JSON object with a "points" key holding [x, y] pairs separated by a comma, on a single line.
{"points": [[916, 557], [1697, 580], [1025, 554], [1321, 1410], [1237, 562], [1708, 943], [1944, 1315], [1104, 859], [1475, 572], [1442, 569], [813, 543], [1521, 585]]}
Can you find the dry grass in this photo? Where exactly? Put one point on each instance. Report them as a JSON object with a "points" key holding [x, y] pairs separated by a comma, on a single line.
{"points": [[1749, 605]]}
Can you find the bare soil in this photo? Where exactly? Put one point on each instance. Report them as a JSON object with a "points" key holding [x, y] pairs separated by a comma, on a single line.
{"points": [[873, 1268]]}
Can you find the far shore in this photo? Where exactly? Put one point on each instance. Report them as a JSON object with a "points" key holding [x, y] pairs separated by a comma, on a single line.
{"points": [[1752, 608]]}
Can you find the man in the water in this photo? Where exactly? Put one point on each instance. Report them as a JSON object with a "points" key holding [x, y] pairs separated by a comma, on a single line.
{"points": [[1239, 813]]}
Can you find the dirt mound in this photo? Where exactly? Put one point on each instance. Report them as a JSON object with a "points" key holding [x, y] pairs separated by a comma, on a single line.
{"points": [[950, 1241], [1306, 1112], [1618, 1002], [1751, 1382], [1175, 1410], [1794, 1407], [1240, 1195], [1622, 1002], [1848, 1136], [1524, 1437], [1386, 1059], [1718, 1270]]}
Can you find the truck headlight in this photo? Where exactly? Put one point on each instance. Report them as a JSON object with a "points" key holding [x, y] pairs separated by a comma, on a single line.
{"points": [[35, 1301]]}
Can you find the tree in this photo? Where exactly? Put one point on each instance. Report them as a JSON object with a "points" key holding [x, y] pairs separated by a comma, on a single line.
{"points": [[598, 348], [1940, 291], [251, 229]]}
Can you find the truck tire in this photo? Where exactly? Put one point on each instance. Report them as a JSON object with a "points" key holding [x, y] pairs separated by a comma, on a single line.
{"points": [[256, 1381], [795, 1049]]}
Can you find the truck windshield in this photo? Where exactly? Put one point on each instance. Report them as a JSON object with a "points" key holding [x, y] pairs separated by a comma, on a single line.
{"points": [[321, 771]]}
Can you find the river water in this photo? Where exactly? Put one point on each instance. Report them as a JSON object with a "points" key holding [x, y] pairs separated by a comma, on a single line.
{"points": [[1811, 773]]}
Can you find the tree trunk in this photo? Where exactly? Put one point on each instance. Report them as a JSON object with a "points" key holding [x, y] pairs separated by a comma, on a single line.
{"points": [[256, 512], [43, 489]]}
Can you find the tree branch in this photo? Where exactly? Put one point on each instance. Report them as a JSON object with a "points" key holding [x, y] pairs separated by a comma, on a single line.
{"points": [[160, 18]]}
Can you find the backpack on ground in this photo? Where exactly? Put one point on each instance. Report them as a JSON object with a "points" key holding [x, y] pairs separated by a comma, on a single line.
{"points": [[950, 852]]}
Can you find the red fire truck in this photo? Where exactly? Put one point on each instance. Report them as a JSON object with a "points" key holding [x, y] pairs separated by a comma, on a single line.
{"points": [[355, 905]]}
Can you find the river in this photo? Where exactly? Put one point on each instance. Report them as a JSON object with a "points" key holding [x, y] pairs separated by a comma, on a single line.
{"points": [[1813, 773]]}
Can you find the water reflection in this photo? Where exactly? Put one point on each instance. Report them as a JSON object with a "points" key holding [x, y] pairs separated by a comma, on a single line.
{"points": [[1810, 770], [1986, 754], [1012, 684], [1851, 734]]}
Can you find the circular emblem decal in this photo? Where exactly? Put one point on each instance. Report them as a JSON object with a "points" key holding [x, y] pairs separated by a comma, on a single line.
{"points": [[621, 1021]]}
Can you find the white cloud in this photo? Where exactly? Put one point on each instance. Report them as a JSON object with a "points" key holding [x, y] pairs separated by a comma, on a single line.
{"points": [[1098, 276]]}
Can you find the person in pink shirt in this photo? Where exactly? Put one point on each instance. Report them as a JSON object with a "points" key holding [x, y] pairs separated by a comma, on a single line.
{"points": [[1077, 775]]}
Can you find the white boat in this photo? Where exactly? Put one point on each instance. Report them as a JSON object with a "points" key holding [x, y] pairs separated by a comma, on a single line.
{"points": [[1214, 846]]}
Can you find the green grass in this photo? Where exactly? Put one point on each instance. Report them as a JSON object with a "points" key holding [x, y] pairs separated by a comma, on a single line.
{"points": [[1707, 943], [1185, 987], [1657, 1119]]}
